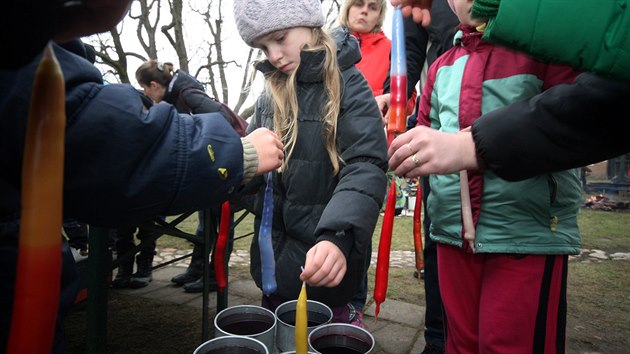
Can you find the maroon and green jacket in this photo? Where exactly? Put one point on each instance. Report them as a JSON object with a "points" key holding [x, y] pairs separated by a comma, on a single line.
{"points": [[534, 216]]}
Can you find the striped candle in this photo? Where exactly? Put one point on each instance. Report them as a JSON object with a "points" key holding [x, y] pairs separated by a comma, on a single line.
{"points": [[398, 77], [38, 275]]}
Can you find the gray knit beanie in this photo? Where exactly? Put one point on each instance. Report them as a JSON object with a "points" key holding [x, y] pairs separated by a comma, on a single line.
{"points": [[255, 18]]}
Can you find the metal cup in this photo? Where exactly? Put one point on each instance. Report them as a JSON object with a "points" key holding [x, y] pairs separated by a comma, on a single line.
{"points": [[247, 320], [232, 345], [341, 338], [317, 313]]}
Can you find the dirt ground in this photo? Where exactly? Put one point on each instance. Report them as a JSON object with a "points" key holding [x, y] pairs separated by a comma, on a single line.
{"points": [[597, 320]]}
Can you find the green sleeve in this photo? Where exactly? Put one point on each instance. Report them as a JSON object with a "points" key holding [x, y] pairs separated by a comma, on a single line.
{"points": [[589, 35]]}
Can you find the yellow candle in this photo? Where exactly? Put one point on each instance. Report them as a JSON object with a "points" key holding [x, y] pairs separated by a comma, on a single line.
{"points": [[301, 323], [39, 251]]}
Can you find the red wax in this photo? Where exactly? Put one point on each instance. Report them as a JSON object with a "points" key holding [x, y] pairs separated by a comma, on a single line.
{"points": [[398, 104]]}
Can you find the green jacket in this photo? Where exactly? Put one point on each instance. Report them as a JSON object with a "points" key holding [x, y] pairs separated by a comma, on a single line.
{"points": [[535, 216], [589, 35]]}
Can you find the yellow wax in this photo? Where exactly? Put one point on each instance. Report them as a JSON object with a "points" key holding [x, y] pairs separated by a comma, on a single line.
{"points": [[301, 323]]}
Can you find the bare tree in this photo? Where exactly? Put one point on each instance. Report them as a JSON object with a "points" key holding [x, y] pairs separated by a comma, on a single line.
{"points": [[147, 27], [177, 26], [109, 47], [218, 64]]}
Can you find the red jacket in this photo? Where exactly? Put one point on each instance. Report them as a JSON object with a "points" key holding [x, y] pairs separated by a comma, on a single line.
{"points": [[375, 62]]}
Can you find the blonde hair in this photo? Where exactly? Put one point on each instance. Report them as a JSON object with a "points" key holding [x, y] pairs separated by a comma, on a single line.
{"points": [[153, 70], [283, 90], [344, 12]]}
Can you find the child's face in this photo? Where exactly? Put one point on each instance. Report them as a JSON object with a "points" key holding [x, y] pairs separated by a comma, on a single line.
{"points": [[462, 9], [363, 16], [283, 47]]}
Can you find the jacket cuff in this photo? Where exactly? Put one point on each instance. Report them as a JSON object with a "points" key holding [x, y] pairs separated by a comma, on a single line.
{"points": [[485, 9], [339, 239], [250, 161]]}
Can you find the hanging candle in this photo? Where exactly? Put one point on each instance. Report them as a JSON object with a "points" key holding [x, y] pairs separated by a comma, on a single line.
{"points": [[384, 247], [219, 250], [398, 77], [467, 218], [267, 260], [301, 323], [417, 229], [38, 274]]}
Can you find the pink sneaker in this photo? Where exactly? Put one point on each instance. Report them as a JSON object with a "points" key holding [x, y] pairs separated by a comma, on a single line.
{"points": [[356, 316]]}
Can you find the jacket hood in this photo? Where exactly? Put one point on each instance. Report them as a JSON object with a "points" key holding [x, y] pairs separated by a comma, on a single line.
{"points": [[348, 54], [466, 35], [181, 80]]}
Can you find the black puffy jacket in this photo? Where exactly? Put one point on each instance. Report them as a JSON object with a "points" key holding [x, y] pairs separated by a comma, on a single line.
{"points": [[564, 127], [310, 203]]}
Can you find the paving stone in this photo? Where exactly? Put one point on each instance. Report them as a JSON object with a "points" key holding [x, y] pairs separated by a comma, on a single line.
{"points": [[395, 338], [171, 294], [400, 312], [166, 273]]}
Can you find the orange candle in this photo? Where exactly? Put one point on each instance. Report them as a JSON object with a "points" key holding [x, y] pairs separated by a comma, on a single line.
{"points": [[39, 252], [467, 218], [301, 323]]}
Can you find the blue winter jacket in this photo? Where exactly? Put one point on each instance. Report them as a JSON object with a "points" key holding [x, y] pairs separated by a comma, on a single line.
{"points": [[123, 163]]}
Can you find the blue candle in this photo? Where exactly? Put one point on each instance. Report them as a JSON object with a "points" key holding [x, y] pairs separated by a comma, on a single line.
{"points": [[267, 260]]}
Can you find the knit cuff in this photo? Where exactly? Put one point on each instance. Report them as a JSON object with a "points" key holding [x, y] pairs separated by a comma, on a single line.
{"points": [[485, 9], [250, 160]]}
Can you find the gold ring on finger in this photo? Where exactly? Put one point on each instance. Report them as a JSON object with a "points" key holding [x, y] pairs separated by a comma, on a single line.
{"points": [[415, 160]]}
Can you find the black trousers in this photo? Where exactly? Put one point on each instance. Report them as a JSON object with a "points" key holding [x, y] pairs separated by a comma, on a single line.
{"points": [[433, 316]]}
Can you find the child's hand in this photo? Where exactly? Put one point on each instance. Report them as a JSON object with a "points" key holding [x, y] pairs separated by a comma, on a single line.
{"points": [[269, 149], [325, 265]]}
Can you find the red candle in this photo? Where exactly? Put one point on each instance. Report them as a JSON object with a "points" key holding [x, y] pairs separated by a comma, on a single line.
{"points": [[384, 247], [219, 251], [397, 122], [417, 229], [39, 252]]}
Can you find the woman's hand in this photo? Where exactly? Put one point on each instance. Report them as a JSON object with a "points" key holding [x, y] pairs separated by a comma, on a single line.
{"points": [[422, 151], [420, 10]]}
